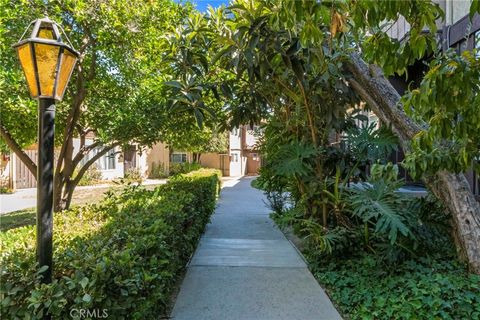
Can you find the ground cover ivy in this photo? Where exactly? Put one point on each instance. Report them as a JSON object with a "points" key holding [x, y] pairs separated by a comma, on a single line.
{"points": [[363, 287]]}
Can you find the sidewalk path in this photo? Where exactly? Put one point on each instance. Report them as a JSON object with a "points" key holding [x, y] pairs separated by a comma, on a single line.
{"points": [[245, 269], [27, 198]]}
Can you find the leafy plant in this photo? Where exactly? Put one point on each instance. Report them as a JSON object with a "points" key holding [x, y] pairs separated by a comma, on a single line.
{"points": [[378, 204], [369, 144], [158, 171], [133, 174], [4, 190], [185, 167], [362, 287], [92, 176], [450, 141], [290, 160], [387, 172]]}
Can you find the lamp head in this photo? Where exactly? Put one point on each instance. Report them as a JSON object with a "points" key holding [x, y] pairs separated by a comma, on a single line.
{"points": [[46, 60]]}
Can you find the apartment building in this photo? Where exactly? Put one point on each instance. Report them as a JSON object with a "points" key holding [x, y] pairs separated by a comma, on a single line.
{"points": [[241, 157], [458, 32]]}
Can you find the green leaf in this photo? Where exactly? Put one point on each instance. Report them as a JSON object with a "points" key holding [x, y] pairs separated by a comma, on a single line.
{"points": [[174, 84], [199, 117], [42, 269], [474, 8], [87, 298], [84, 282]]}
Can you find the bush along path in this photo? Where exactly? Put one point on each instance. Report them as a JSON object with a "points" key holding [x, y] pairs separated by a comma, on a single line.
{"points": [[122, 256], [244, 268], [370, 275]]}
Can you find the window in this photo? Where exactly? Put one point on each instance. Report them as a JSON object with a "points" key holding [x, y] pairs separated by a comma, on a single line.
{"points": [[234, 157], [105, 162], [236, 132], [178, 157], [108, 160]]}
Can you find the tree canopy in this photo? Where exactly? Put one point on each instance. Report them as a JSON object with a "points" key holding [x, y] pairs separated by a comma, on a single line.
{"points": [[304, 65], [117, 92]]}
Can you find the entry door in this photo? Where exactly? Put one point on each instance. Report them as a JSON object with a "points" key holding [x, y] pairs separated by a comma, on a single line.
{"points": [[253, 163], [129, 158]]}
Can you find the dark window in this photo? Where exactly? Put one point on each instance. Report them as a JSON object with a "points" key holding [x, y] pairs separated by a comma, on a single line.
{"points": [[179, 157], [236, 132], [108, 160]]}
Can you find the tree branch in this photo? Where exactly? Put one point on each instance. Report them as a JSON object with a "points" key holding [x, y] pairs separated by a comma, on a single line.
{"points": [[452, 188], [84, 150], [73, 117], [92, 161], [15, 147]]}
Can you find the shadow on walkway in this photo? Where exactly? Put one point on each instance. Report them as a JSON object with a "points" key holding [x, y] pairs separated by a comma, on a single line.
{"points": [[244, 268]]}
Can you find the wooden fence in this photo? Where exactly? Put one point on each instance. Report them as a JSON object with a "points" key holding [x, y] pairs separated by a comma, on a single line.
{"points": [[23, 178]]}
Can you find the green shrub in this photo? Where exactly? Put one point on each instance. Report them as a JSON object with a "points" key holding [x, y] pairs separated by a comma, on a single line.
{"points": [[4, 190], [92, 176], [158, 171], [185, 167], [133, 175], [123, 255]]}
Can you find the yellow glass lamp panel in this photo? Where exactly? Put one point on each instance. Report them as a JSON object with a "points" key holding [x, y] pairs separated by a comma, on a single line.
{"points": [[66, 68], [45, 33], [47, 57], [25, 57]]}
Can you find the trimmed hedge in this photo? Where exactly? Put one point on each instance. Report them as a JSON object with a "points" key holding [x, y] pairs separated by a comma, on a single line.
{"points": [[122, 255], [183, 168]]}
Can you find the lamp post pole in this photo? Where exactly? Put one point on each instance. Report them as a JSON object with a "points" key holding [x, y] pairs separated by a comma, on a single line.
{"points": [[46, 132], [47, 63]]}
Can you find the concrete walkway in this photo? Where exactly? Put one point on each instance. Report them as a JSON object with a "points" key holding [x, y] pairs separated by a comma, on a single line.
{"points": [[245, 269], [27, 198]]}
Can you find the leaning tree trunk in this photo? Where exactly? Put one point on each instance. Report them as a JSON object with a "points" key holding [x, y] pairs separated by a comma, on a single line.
{"points": [[451, 188]]}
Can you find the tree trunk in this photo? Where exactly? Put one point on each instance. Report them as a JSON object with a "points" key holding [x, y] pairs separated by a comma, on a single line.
{"points": [[57, 194], [13, 145], [63, 196], [196, 157], [451, 188], [66, 182]]}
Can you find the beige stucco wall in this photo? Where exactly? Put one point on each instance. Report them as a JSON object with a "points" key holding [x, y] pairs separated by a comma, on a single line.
{"points": [[159, 153], [5, 172], [210, 160], [213, 160]]}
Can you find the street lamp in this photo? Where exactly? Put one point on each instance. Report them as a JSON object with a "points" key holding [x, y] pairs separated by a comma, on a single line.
{"points": [[47, 63]]}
